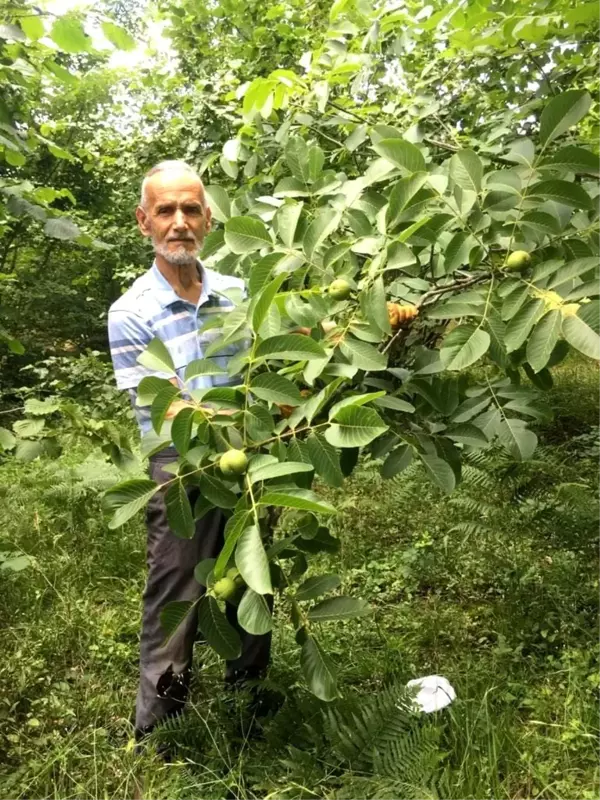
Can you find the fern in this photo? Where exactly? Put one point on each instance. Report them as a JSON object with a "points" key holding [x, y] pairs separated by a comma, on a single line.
{"points": [[182, 731], [377, 788], [470, 529], [474, 476], [383, 736], [471, 505]]}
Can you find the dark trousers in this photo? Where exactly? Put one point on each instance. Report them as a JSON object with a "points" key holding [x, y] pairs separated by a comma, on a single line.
{"points": [[165, 667]]}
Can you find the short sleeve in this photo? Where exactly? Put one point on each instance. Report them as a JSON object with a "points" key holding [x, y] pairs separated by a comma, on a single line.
{"points": [[128, 336]]}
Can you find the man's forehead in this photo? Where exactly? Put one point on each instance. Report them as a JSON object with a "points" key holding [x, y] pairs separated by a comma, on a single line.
{"points": [[174, 186]]}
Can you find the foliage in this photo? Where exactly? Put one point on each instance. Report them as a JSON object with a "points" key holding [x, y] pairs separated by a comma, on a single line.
{"points": [[407, 151], [508, 616], [436, 235]]}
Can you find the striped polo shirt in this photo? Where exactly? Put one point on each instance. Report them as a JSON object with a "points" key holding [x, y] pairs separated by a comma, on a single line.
{"points": [[150, 308]]}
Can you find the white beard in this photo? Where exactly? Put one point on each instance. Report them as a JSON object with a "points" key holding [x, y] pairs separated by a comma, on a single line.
{"points": [[180, 257]]}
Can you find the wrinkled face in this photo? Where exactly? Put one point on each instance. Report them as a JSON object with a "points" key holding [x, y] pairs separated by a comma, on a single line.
{"points": [[175, 215]]}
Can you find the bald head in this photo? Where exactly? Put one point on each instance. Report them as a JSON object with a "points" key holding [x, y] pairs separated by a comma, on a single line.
{"points": [[173, 212], [174, 167]]}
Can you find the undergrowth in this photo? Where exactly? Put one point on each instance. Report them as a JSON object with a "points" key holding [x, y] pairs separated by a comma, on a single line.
{"points": [[494, 587]]}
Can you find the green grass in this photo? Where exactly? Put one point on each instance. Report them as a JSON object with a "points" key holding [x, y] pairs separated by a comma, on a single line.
{"points": [[494, 587]]}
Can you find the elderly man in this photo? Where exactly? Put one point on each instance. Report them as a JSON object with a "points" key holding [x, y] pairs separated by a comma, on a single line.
{"points": [[172, 301]]}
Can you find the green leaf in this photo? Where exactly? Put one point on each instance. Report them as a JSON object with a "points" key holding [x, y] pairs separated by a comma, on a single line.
{"points": [[513, 301], [69, 35], [221, 636], [401, 153], [464, 346], [173, 614], [287, 218], [261, 272], [263, 302], [543, 339], [181, 430], [259, 422], [204, 571], [470, 408], [518, 328], [234, 528], [374, 307], [118, 36], [296, 156], [61, 228], [355, 426], [466, 170], [302, 499], [290, 347], [179, 511], [251, 560], [363, 355], [156, 357], [569, 194], [562, 112], [319, 229], [290, 187], [203, 366], [400, 197], [467, 434], [274, 388], [516, 438], [581, 336], [395, 403], [325, 459], [316, 586], [457, 251], [127, 498], [439, 471], [575, 159], [214, 489], [572, 270], [32, 26], [355, 400], [7, 440], [316, 159], [245, 235], [253, 613], [540, 222], [338, 608], [277, 470], [160, 406], [27, 450], [319, 670], [581, 15], [28, 428], [219, 203], [356, 138], [587, 289], [40, 407], [397, 461]]}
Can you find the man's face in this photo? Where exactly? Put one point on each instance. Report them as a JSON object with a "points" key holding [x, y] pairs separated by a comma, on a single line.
{"points": [[175, 216]]}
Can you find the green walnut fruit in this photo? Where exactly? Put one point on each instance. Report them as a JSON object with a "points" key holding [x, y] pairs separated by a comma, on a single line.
{"points": [[233, 462], [224, 588], [517, 261], [235, 576], [339, 289]]}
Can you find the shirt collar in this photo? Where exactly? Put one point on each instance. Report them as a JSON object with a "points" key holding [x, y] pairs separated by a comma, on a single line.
{"points": [[165, 293]]}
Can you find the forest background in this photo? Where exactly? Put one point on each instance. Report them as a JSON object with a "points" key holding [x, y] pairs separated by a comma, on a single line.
{"points": [[477, 553]]}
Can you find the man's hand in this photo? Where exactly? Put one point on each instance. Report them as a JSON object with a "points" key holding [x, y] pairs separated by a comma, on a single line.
{"points": [[176, 406]]}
